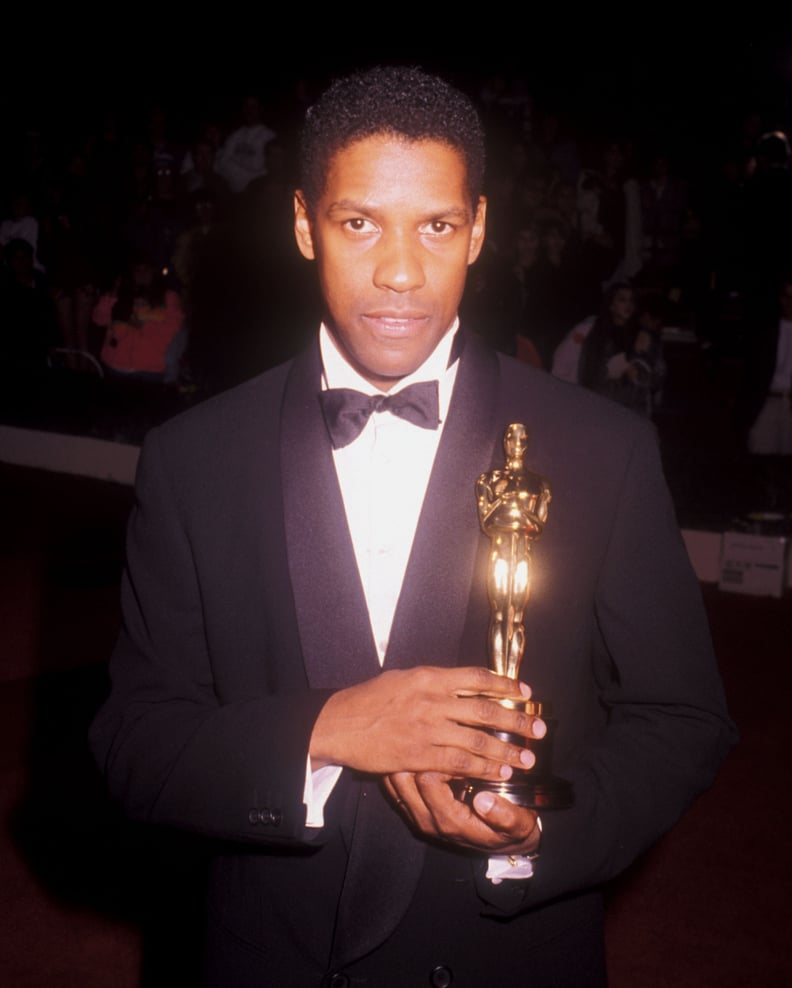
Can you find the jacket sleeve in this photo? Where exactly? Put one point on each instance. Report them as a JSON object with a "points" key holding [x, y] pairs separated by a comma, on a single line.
{"points": [[178, 748], [664, 727]]}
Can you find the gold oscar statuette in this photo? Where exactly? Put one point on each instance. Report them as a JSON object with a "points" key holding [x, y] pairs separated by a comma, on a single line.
{"points": [[513, 507]]}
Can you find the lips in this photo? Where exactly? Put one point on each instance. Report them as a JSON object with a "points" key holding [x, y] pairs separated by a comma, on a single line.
{"points": [[398, 315], [396, 322]]}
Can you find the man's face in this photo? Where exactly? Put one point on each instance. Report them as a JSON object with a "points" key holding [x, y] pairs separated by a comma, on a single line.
{"points": [[393, 234]]}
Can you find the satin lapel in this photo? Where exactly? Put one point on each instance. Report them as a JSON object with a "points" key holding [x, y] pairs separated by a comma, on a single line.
{"points": [[430, 617], [335, 633]]}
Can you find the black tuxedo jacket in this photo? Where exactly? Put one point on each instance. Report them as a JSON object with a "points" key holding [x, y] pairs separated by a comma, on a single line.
{"points": [[243, 609]]}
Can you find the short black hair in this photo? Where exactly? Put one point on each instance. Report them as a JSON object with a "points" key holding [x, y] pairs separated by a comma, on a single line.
{"points": [[400, 101]]}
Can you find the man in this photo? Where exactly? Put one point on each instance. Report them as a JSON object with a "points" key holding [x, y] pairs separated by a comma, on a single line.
{"points": [[301, 667]]}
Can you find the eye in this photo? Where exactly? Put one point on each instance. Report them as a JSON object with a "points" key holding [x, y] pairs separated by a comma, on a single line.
{"points": [[437, 228], [358, 224]]}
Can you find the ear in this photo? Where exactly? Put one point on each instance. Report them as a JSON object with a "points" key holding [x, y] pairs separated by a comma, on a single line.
{"points": [[479, 228], [303, 228]]}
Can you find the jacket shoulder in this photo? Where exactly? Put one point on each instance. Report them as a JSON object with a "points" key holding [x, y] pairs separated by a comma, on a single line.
{"points": [[251, 407], [569, 409]]}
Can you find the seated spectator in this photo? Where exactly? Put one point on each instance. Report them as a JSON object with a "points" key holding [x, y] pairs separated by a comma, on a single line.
{"points": [[621, 355], [615, 321], [142, 319]]}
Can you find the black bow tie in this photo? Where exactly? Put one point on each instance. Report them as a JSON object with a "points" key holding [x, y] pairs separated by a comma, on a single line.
{"points": [[346, 412]]}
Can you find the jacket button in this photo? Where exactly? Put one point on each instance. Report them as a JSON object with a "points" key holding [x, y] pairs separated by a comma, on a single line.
{"points": [[276, 817], [339, 980], [441, 977], [253, 817]]}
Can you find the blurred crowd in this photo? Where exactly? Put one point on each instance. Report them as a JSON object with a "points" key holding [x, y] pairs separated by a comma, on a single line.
{"points": [[156, 253]]}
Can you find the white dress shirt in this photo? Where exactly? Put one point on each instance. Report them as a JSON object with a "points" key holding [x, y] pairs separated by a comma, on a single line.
{"points": [[383, 475]]}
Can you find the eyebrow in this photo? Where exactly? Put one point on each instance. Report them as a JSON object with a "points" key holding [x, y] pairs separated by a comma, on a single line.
{"points": [[354, 206]]}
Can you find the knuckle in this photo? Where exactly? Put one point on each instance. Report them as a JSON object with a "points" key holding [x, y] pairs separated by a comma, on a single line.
{"points": [[425, 674], [522, 723], [484, 710], [422, 677], [479, 742], [460, 762], [482, 677]]}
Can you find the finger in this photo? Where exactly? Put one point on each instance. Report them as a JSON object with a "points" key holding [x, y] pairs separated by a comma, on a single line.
{"points": [[515, 824], [409, 802], [479, 754], [442, 804], [400, 786], [515, 829], [390, 789], [451, 817], [480, 711], [454, 821], [478, 681], [458, 736], [444, 815], [481, 738]]}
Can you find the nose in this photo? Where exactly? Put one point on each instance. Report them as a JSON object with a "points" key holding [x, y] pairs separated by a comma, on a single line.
{"points": [[399, 267]]}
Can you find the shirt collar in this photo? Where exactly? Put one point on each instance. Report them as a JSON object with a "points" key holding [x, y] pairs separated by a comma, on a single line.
{"points": [[338, 373]]}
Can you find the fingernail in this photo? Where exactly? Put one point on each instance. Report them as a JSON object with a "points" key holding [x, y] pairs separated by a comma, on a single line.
{"points": [[525, 690], [505, 772], [539, 729], [484, 802], [527, 758]]}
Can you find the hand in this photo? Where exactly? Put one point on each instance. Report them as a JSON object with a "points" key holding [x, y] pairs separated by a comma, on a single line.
{"points": [[492, 824], [425, 720]]}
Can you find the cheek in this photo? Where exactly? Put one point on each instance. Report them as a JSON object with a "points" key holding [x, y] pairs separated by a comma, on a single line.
{"points": [[446, 277], [341, 283]]}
